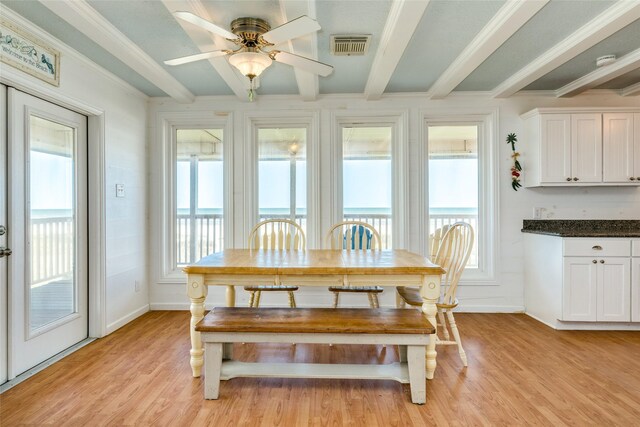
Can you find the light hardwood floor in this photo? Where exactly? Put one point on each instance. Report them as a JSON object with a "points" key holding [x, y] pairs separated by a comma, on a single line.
{"points": [[520, 373]]}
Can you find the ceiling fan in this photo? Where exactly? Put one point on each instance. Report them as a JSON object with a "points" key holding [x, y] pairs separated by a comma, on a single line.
{"points": [[254, 36]]}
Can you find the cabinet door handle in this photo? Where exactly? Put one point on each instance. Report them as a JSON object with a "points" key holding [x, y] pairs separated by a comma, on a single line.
{"points": [[632, 178], [596, 248], [575, 178], [594, 261], [601, 261], [568, 179]]}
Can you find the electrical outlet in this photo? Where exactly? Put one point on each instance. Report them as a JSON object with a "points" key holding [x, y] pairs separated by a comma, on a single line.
{"points": [[538, 213], [119, 190], [137, 285]]}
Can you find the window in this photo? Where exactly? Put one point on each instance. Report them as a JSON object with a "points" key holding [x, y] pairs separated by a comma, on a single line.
{"points": [[282, 174], [454, 179], [367, 177], [460, 158], [199, 192]]}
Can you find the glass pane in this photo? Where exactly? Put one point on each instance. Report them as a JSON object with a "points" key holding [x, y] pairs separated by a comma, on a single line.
{"points": [[453, 179], [282, 174], [52, 215], [366, 177], [199, 194]]}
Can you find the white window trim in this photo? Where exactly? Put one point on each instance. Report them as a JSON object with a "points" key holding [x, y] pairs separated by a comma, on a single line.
{"points": [[286, 118], [488, 195], [168, 124], [399, 122]]}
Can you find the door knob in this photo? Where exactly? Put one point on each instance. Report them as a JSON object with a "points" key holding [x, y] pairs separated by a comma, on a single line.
{"points": [[5, 252]]}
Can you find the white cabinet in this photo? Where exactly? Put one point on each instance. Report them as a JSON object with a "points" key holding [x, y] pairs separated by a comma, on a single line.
{"points": [[620, 147], [596, 289], [582, 282], [581, 147], [635, 282]]}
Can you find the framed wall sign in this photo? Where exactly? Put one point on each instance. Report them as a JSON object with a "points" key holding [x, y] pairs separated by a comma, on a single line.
{"points": [[29, 54]]}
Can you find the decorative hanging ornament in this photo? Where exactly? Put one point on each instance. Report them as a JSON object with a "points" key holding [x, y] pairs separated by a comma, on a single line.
{"points": [[516, 169]]}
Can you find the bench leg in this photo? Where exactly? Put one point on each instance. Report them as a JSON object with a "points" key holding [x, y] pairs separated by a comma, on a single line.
{"points": [[227, 351], [212, 369], [336, 296], [402, 353], [415, 358]]}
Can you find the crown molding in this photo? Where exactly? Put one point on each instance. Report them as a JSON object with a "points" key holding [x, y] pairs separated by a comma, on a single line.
{"points": [[506, 22], [404, 17], [80, 15], [65, 49], [613, 19], [631, 90], [628, 62]]}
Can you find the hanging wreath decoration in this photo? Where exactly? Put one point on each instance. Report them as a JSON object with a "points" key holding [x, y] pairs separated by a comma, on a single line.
{"points": [[516, 169]]}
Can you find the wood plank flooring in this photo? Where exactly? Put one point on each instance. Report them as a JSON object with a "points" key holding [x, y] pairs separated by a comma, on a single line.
{"points": [[520, 373]]}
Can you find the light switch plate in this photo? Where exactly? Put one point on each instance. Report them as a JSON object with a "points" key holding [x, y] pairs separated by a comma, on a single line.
{"points": [[119, 190]]}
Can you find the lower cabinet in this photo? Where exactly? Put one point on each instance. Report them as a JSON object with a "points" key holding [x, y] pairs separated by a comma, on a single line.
{"points": [[596, 289], [635, 289]]}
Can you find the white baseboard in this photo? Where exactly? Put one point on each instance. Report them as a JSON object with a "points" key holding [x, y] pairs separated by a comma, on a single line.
{"points": [[589, 326], [111, 327], [490, 309]]}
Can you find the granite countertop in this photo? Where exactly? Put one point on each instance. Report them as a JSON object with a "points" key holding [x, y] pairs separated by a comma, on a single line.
{"points": [[582, 227]]}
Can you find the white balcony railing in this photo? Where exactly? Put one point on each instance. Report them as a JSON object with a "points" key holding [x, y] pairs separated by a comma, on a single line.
{"points": [[52, 249]]}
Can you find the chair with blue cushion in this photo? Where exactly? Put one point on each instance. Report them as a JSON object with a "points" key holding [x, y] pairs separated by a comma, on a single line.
{"points": [[354, 236]]}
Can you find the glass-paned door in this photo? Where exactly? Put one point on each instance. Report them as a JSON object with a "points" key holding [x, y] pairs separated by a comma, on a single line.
{"points": [[4, 248], [199, 194], [282, 174], [367, 178], [454, 179], [47, 231]]}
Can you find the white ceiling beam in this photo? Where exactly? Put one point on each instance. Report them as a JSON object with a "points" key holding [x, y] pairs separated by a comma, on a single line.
{"points": [[308, 85], [613, 19], [403, 19], [634, 89], [208, 42], [80, 15], [509, 19], [627, 63]]}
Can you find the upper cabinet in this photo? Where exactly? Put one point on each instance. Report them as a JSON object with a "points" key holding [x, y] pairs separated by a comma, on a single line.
{"points": [[581, 148]]}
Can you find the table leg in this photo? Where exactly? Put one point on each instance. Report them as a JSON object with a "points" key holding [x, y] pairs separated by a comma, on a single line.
{"points": [[430, 292], [231, 296], [197, 292]]}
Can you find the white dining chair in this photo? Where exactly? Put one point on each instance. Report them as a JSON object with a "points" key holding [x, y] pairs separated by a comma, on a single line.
{"points": [[452, 255], [275, 234], [354, 236]]}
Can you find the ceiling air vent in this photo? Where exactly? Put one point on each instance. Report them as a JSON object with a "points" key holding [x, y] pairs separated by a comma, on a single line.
{"points": [[347, 45]]}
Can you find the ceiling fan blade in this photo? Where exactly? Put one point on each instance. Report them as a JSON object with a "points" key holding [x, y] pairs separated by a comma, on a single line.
{"points": [[196, 57], [302, 63], [296, 28], [203, 23]]}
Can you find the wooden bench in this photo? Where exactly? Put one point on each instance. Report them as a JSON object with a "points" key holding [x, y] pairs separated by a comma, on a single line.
{"points": [[406, 328]]}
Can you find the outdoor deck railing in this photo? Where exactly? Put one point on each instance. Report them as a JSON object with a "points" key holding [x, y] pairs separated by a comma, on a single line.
{"points": [[52, 239], [51, 249]]}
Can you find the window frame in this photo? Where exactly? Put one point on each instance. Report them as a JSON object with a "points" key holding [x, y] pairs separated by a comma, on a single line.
{"points": [[399, 123], [283, 119], [488, 195], [170, 274]]}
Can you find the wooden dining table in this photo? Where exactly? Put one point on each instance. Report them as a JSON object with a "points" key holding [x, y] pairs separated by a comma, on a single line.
{"points": [[313, 267]]}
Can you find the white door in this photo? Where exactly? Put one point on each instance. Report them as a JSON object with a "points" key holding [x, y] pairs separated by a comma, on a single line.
{"points": [[586, 147], [614, 290], [617, 147], [579, 294], [47, 230], [556, 147], [3, 236]]}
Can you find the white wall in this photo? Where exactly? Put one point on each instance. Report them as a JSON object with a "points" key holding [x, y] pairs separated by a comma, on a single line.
{"points": [[505, 292], [118, 115]]}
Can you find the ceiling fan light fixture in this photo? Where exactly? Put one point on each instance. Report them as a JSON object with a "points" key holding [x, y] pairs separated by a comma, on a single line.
{"points": [[250, 64]]}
